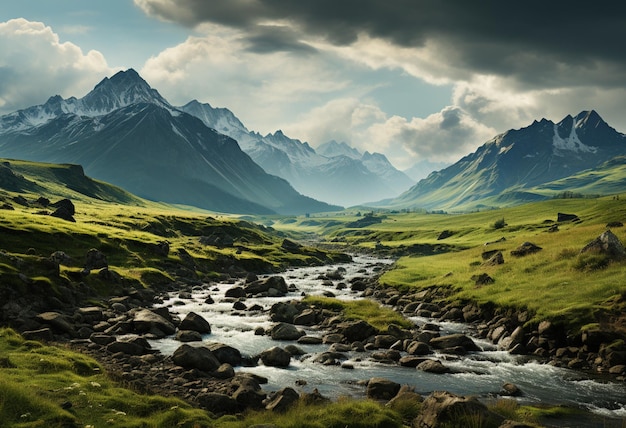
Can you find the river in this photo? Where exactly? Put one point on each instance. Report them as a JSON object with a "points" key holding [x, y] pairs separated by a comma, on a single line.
{"points": [[479, 373]]}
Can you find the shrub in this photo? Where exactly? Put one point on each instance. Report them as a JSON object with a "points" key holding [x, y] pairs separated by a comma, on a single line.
{"points": [[499, 224], [591, 262]]}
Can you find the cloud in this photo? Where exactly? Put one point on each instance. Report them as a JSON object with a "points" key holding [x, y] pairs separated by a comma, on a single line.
{"points": [[444, 136], [221, 68], [32, 60], [533, 41]]}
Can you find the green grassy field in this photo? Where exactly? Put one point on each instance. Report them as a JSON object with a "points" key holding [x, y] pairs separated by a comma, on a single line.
{"points": [[555, 283]]}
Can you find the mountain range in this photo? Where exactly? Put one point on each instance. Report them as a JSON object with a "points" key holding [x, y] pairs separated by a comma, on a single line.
{"points": [[335, 172], [526, 164], [124, 132]]}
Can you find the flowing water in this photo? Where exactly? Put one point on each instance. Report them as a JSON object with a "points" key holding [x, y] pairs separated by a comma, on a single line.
{"points": [[479, 373]]}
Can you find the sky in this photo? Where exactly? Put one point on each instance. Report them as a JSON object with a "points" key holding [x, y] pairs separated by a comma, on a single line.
{"points": [[417, 80]]}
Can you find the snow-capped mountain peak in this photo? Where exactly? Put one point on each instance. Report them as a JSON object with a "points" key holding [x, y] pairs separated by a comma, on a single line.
{"points": [[570, 143], [121, 90]]}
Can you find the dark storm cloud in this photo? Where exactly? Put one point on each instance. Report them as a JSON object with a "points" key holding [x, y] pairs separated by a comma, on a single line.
{"points": [[537, 42], [267, 39]]}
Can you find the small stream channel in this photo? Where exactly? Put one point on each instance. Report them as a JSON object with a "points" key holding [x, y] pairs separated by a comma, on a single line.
{"points": [[479, 373]]}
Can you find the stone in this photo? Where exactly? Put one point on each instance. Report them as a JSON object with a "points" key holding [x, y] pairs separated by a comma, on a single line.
{"points": [[260, 286], [218, 403], [95, 259], [525, 249], [418, 348], [57, 321], [285, 331], [441, 409], [146, 321], [282, 400], [200, 358], [195, 322], [454, 340], [356, 331], [225, 353], [224, 371], [42, 335], [561, 217], [276, 357], [511, 390], [379, 388], [188, 336], [433, 366], [307, 317], [235, 292], [127, 347], [284, 311], [495, 260], [607, 243]]}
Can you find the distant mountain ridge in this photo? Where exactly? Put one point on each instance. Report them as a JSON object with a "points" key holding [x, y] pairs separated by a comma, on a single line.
{"points": [[517, 161], [334, 172], [124, 132]]}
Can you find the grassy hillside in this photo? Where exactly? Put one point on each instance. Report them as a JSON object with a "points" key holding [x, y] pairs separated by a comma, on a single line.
{"points": [[555, 283]]}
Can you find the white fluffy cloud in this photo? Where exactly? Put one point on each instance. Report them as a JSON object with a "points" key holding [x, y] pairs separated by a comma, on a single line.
{"points": [[264, 90], [33, 60]]}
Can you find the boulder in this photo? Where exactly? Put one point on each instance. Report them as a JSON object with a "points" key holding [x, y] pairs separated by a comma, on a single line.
{"points": [[225, 353], [285, 331], [453, 341], [379, 388], [276, 357], [495, 260], [95, 259], [146, 321], [195, 322], [356, 331], [57, 321], [418, 348], [129, 347], [188, 336], [607, 243], [282, 400], [525, 249], [260, 286], [307, 317], [441, 409], [561, 217], [248, 393], [200, 358], [217, 403], [433, 366], [284, 311], [235, 292]]}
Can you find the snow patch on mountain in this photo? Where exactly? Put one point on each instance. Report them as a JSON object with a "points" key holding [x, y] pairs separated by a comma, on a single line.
{"points": [[570, 144]]}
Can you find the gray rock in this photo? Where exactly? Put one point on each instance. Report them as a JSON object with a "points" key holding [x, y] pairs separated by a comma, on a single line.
{"points": [[607, 243], [379, 388], [442, 409], [200, 358], [195, 322], [433, 366], [225, 353], [146, 321], [188, 336], [282, 400], [285, 331], [276, 357]]}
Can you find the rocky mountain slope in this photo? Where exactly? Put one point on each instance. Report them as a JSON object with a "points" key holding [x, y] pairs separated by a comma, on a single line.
{"points": [[335, 172], [124, 132], [516, 162]]}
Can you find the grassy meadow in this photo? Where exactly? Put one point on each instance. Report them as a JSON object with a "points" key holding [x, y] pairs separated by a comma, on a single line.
{"points": [[556, 283]]}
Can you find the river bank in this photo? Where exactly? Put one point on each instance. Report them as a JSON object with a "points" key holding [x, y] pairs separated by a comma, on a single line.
{"points": [[136, 345]]}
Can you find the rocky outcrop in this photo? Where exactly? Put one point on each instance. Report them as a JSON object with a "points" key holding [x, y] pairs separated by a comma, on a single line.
{"points": [[608, 244], [441, 409]]}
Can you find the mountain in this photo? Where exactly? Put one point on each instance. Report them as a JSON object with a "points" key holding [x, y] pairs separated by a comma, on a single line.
{"points": [[516, 162], [124, 132], [342, 176]]}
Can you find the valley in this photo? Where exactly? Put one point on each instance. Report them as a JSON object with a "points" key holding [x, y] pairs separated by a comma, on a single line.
{"points": [[64, 282]]}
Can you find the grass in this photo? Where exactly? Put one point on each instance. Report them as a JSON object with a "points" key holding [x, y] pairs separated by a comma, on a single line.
{"points": [[378, 316], [555, 283], [344, 413], [38, 383]]}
